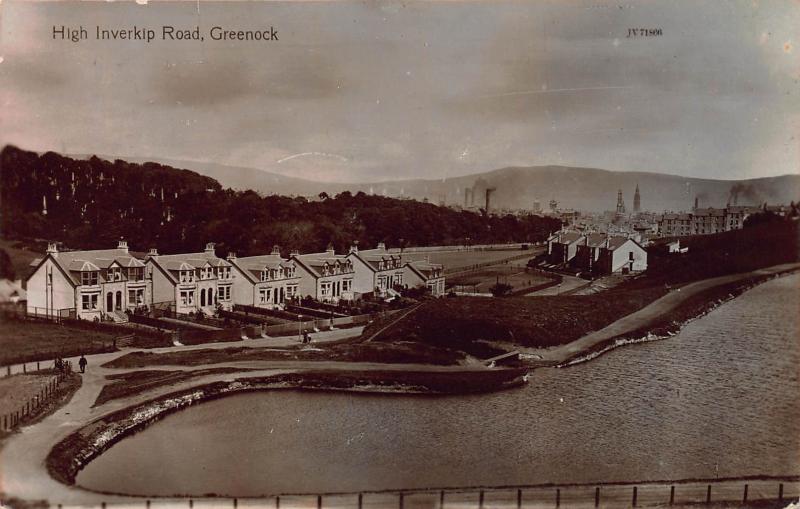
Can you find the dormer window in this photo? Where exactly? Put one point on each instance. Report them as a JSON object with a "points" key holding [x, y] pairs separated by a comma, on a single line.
{"points": [[135, 273], [114, 274], [187, 276], [89, 277]]}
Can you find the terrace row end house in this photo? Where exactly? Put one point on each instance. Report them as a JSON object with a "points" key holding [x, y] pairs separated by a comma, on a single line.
{"points": [[103, 284], [597, 252], [97, 284]]}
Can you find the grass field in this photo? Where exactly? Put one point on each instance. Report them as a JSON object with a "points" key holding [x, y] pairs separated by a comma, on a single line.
{"points": [[481, 280], [457, 259], [25, 341]]}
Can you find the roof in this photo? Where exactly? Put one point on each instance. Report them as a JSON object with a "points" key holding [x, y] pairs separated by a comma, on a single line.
{"points": [[252, 266], [424, 268], [314, 262], [568, 237], [188, 261], [73, 262], [372, 257], [595, 239]]}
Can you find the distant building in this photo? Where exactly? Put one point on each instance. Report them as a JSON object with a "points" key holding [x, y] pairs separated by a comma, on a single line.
{"points": [[704, 221], [620, 203], [637, 201], [423, 273], [562, 246], [607, 254]]}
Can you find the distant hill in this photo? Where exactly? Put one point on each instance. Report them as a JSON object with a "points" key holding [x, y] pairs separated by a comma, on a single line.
{"points": [[589, 189]]}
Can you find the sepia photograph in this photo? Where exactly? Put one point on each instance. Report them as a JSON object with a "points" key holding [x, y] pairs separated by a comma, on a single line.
{"points": [[399, 254]]}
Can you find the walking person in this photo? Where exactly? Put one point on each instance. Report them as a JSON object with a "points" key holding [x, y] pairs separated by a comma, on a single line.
{"points": [[82, 362]]}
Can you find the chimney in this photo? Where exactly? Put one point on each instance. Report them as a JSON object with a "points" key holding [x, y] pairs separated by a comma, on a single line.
{"points": [[294, 252], [330, 251], [123, 245], [52, 249], [381, 246], [276, 250], [354, 247], [231, 256], [153, 253], [210, 249]]}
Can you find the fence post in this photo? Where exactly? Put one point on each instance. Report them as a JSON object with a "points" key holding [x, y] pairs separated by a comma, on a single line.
{"points": [[780, 492], [147, 504], [401, 502], [519, 498], [597, 497], [708, 494], [24, 368], [480, 499], [671, 495], [277, 502], [319, 501], [558, 497], [37, 366], [441, 499], [744, 497], [360, 500]]}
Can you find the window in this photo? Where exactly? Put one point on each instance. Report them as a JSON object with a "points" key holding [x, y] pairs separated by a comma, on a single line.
{"points": [[89, 278], [347, 284], [325, 289], [262, 296], [89, 302], [136, 296], [187, 298], [630, 255]]}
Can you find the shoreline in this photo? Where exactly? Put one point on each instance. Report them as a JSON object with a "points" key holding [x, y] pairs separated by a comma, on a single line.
{"points": [[672, 322], [70, 455]]}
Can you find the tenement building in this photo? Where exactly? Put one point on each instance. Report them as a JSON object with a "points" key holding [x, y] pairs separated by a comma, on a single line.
{"points": [[91, 285], [703, 221]]}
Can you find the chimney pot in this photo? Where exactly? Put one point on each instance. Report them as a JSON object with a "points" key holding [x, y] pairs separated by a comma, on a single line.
{"points": [[210, 248], [153, 252], [123, 244], [276, 250], [231, 255], [52, 249], [381, 246]]}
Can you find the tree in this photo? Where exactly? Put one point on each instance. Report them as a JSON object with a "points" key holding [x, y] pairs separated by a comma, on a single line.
{"points": [[500, 289]]}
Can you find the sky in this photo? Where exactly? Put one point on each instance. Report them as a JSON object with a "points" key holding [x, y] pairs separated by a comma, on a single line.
{"points": [[369, 91]]}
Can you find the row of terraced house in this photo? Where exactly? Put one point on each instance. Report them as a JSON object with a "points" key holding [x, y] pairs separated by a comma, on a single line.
{"points": [[105, 284]]}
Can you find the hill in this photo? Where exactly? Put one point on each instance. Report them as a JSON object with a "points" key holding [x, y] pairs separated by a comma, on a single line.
{"points": [[589, 189], [93, 203]]}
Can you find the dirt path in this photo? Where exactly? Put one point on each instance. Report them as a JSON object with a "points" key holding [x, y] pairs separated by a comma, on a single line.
{"points": [[649, 313]]}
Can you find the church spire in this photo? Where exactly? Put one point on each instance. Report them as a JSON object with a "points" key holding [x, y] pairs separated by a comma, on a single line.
{"points": [[637, 200]]}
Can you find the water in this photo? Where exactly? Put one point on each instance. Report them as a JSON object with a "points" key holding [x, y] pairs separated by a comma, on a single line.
{"points": [[721, 398]]}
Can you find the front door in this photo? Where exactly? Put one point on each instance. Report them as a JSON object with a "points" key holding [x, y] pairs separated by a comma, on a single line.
{"points": [[110, 301]]}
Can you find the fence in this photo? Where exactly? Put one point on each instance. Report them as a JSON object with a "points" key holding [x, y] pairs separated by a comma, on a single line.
{"points": [[471, 268], [683, 493], [30, 408]]}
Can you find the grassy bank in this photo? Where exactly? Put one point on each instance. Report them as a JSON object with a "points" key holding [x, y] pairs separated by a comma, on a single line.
{"points": [[402, 353], [73, 453], [471, 324], [64, 392], [30, 341], [671, 322]]}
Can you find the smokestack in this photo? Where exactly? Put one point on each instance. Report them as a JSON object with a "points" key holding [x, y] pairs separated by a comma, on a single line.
{"points": [[695, 203], [489, 199]]}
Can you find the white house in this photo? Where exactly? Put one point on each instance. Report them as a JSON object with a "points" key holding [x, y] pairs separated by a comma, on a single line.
{"points": [[266, 281], [377, 271], [191, 282], [326, 276], [621, 254], [423, 273], [92, 285]]}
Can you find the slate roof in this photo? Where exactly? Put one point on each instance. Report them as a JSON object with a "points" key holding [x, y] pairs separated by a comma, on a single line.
{"points": [[73, 262]]}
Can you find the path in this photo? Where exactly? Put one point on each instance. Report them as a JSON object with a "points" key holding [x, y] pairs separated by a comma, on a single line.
{"points": [[569, 283], [23, 456], [649, 313]]}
